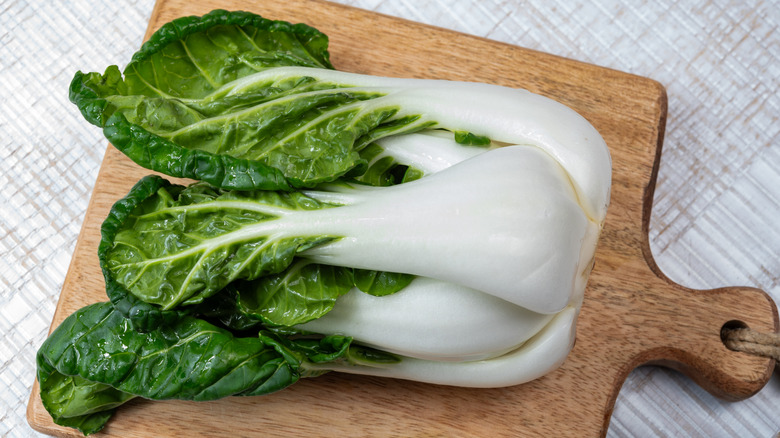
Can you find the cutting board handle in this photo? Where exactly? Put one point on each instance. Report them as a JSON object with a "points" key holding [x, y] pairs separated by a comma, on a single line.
{"points": [[683, 331]]}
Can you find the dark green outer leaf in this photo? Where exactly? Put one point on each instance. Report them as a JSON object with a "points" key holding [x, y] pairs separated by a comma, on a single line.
{"points": [[76, 402], [161, 244], [157, 153], [189, 359], [222, 309], [88, 91], [86, 424], [379, 283], [95, 361], [173, 114], [290, 44], [144, 316], [314, 43], [302, 292]]}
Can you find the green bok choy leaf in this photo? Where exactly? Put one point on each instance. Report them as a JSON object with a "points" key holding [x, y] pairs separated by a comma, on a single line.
{"points": [[95, 361]]}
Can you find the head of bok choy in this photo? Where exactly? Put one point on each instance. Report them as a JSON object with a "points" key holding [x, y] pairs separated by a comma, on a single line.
{"points": [[429, 230]]}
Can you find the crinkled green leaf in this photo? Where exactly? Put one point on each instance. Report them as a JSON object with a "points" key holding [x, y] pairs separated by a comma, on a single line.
{"points": [[180, 245], [302, 292], [191, 105], [189, 359], [76, 402], [194, 55], [144, 316], [379, 283], [222, 309], [95, 361]]}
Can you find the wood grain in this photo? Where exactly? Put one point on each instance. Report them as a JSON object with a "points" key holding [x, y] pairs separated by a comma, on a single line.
{"points": [[632, 314]]}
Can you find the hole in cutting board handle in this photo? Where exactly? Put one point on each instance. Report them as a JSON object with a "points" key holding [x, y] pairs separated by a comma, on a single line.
{"points": [[730, 325]]}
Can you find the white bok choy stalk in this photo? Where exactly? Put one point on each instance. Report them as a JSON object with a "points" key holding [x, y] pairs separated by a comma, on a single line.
{"points": [[471, 339], [427, 151], [505, 222], [459, 323], [545, 351]]}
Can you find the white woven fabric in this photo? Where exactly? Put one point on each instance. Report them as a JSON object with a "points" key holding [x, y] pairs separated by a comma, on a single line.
{"points": [[715, 216]]}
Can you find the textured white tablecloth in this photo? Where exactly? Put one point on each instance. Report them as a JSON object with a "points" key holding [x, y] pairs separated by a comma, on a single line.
{"points": [[716, 215]]}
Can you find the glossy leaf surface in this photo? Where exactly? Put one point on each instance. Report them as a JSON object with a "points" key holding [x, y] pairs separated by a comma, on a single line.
{"points": [[170, 245], [190, 105], [95, 361]]}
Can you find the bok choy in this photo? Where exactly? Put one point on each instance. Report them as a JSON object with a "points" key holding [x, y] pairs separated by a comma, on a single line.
{"points": [[429, 230]]}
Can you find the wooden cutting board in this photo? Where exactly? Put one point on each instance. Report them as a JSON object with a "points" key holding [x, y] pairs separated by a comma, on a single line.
{"points": [[632, 314]]}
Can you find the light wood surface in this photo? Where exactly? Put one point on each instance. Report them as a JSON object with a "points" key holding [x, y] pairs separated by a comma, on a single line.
{"points": [[632, 314]]}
